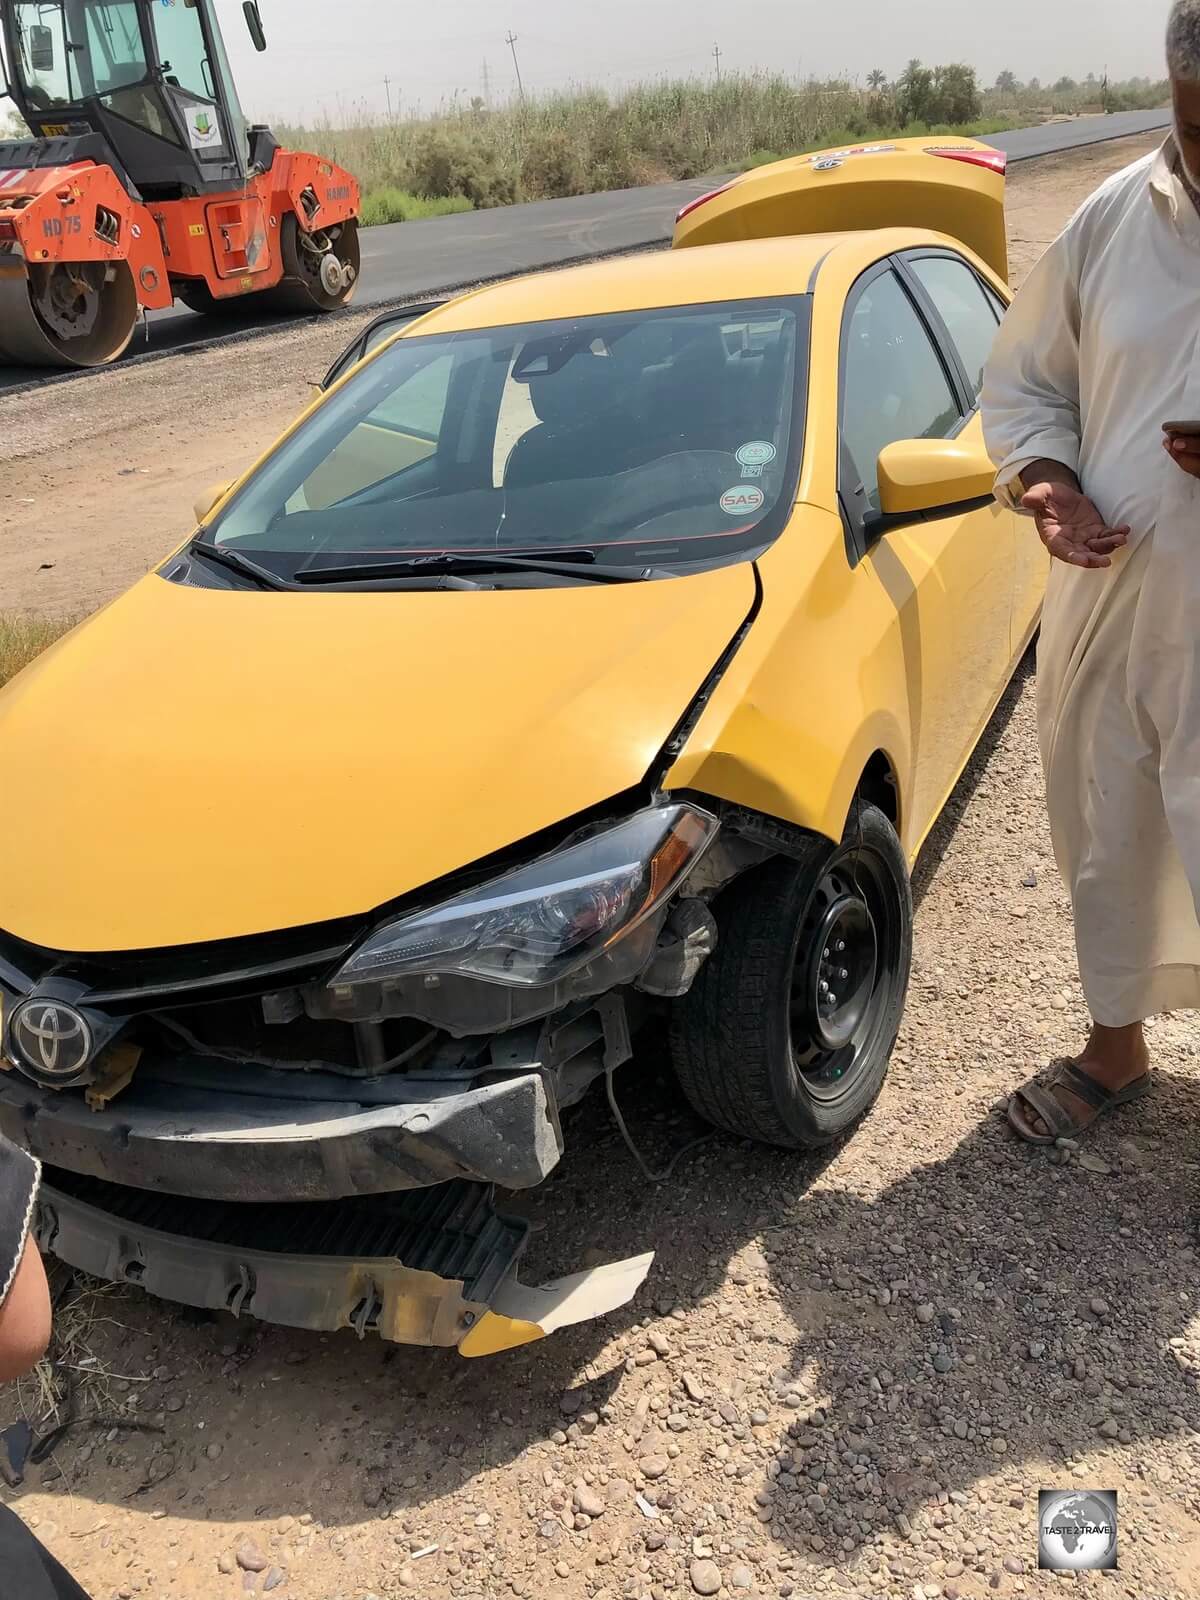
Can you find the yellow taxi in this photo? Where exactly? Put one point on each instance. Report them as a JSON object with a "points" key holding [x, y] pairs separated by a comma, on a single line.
{"points": [[601, 646]]}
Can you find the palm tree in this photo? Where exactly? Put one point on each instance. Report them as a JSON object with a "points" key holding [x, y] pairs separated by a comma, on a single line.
{"points": [[876, 78], [1006, 83]]}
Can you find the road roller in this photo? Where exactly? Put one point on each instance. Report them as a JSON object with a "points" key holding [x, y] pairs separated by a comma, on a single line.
{"points": [[143, 184]]}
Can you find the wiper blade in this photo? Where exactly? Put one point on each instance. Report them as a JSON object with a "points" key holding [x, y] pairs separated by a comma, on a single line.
{"points": [[572, 564], [235, 561]]}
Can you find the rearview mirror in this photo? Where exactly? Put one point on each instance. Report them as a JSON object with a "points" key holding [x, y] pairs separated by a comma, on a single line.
{"points": [[919, 475], [254, 24], [206, 501], [41, 49]]}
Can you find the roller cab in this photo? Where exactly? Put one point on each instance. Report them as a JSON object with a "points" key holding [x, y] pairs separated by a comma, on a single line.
{"points": [[144, 184]]}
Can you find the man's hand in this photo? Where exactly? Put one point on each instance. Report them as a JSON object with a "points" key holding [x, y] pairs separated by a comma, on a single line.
{"points": [[1184, 451], [1070, 526]]}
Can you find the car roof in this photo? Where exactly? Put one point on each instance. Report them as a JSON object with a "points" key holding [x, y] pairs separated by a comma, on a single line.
{"points": [[758, 268]]}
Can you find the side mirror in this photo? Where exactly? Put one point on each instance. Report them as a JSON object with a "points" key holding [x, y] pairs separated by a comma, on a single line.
{"points": [[254, 24], [206, 501], [920, 475]]}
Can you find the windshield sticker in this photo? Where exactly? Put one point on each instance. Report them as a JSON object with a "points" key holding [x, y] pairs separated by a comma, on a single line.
{"points": [[742, 501], [758, 453], [203, 129]]}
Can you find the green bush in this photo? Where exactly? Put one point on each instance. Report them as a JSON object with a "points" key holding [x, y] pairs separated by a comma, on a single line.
{"points": [[398, 205], [553, 167], [443, 163], [938, 94]]}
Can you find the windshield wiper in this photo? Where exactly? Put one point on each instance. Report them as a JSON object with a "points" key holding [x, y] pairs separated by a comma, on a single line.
{"points": [[235, 561], [572, 564]]}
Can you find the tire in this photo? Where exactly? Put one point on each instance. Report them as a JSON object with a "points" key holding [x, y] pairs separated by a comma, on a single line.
{"points": [[757, 1049]]}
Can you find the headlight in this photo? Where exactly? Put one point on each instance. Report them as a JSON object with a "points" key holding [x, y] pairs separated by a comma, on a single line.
{"points": [[542, 922]]}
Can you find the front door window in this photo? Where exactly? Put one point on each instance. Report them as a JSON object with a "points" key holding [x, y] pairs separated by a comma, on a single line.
{"points": [[182, 50], [191, 81]]}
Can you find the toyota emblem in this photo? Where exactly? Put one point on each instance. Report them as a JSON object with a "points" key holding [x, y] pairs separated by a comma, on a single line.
{"points": [[51, 1042]]}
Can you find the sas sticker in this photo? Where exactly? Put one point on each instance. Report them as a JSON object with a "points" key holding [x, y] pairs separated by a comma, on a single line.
{"points": [[196, 229], [54, 130], [759, 453], [204, 131], [743, 500]]}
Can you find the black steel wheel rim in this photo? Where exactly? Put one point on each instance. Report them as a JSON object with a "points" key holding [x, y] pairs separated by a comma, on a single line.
{"points": [[846, 971]]}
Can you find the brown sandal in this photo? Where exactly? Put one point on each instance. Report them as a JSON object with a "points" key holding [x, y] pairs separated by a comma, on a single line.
{"points": [[1062, 1123]]}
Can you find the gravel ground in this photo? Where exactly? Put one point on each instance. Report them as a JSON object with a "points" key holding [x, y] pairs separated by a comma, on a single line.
{"points": [[846, 1375]]}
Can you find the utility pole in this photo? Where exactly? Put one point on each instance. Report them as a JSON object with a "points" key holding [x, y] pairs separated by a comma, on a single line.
{"points": [[717, 58], [486, 83], [510, 40], [387, 89]]}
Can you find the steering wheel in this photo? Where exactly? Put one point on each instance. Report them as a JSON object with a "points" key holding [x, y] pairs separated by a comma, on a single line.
{"points": [[39, 98]]}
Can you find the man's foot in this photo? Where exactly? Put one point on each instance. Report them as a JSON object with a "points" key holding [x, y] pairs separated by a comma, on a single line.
{"points": [[1114, 1058]]}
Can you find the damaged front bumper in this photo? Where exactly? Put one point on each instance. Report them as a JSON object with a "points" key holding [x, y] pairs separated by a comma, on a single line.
{"points": [[434, 1267], [254, 1134], [318, 1193]]}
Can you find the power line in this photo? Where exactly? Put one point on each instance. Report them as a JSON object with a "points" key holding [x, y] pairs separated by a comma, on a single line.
{"points": [[511, 41]]}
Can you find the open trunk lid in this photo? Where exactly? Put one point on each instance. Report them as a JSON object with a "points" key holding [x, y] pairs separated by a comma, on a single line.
{"points": [[950, 186]]}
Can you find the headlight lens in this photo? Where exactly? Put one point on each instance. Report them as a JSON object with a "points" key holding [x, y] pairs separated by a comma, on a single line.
{"points": [[542, 922]]}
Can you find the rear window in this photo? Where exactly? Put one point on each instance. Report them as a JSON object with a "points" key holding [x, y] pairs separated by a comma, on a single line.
{"points": [[661, 436], [965, 308]]}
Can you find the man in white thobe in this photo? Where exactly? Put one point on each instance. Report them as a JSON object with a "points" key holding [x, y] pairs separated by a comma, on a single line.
{"points": [[1098, 355]]}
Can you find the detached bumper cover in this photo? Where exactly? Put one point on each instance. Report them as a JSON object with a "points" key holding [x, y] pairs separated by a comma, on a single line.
{"points": [[434, 1268], [268, 1135]]}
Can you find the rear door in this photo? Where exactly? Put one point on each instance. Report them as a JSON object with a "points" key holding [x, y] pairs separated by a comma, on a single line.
{"points": [[948, 578], [969, 311]]}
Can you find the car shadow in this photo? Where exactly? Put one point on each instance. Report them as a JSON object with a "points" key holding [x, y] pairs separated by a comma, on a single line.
{"points": [[870, 1412], [1005, 1345]]}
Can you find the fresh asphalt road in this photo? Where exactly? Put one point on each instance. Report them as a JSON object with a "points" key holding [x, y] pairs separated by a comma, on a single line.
{"points": [[405, 261]]}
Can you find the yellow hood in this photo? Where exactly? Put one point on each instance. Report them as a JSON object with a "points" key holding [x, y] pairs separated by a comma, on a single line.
{"points": [[196, 764]]}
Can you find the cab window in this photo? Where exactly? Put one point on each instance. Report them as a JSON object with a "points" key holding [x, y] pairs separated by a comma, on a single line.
{"points": [[182, 49], [894, 385], [960, 301], [117, 55]]}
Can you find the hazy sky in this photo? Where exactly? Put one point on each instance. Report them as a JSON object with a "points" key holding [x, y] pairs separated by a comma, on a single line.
{"points": [[330, 59]]}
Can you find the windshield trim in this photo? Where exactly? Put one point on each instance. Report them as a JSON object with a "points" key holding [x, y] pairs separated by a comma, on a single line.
{"points": [[767, 530]]}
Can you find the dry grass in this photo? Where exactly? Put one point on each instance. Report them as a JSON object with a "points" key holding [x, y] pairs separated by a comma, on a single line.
{"points": [[23, 637], [583, 139], [84, 1306]]}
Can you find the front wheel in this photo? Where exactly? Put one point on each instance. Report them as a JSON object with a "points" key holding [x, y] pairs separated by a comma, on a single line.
{"points": [[786, 1033]]}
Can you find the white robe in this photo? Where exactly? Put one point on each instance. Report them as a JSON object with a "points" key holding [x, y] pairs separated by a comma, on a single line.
{"points": [[1100, 348]]}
